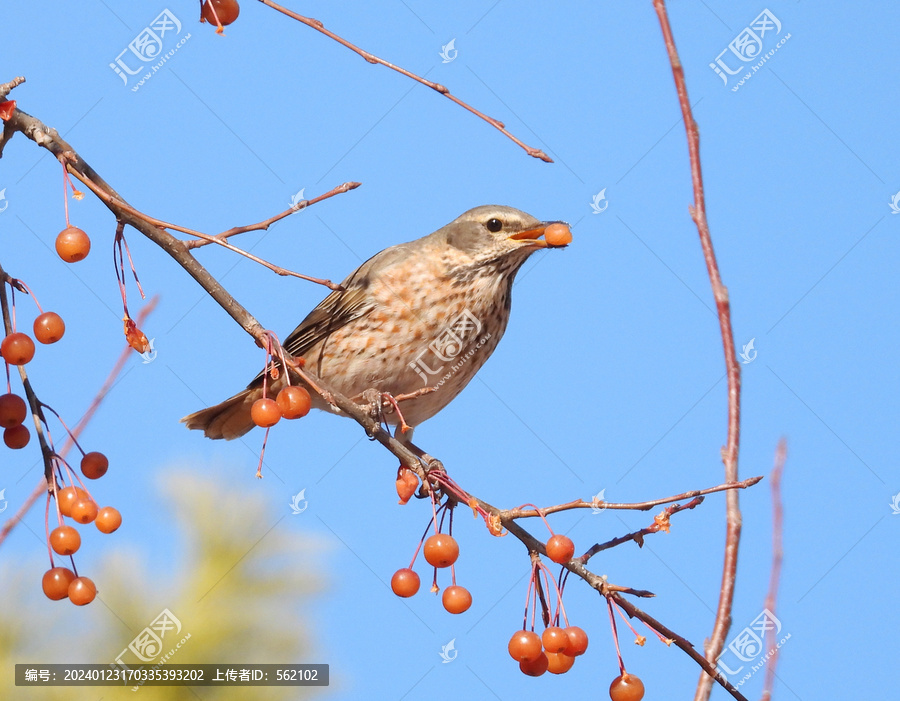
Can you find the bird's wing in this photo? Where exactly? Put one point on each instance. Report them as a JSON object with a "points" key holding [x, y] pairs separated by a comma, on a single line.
{"points": [[332, 313], [341, 306]]}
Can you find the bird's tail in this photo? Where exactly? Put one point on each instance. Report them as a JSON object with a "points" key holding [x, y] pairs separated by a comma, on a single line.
{"points": [[228, 420]]}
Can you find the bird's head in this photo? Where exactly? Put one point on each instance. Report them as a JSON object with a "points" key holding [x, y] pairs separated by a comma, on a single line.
{"points": [[494, 232]]}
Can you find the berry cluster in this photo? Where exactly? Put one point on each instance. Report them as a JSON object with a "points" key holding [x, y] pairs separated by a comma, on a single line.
{"points": [[556, 648], [553, 651], [290, 403], [76, 503], [439, 550], [65, 488]]}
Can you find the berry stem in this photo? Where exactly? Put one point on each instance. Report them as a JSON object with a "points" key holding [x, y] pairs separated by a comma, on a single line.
{"points": [[30, 293], [419, 546], [627, 622], [528, 601], [66, 191], [47, 529], [612, 621], [262, 452], [59, 418], [539, 513]]}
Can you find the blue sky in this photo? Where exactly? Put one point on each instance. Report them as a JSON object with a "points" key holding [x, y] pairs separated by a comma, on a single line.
{"points": [[611, 373]]}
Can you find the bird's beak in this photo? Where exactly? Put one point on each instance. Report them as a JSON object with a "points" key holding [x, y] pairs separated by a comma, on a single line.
{"points": [[532, 237]]}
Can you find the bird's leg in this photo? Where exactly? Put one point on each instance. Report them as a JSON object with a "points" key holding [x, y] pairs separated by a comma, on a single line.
{"points": [[371, 399]]}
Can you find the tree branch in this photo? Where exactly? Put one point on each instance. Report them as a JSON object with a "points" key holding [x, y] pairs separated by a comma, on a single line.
{"points": [[638, 506], [372, 58], [716, 642], [266, 223], [362, 414], [777, 557]]}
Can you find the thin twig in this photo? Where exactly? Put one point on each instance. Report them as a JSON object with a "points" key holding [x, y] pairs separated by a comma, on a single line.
{"points": [[266, 223], [777, 556], [638, 506], [372, 58], [111, 202], [638, 536], [716, 642]]}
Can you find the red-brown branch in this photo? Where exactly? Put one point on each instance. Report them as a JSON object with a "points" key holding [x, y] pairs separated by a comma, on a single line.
{"points": [[777, 556], [722, 623], [372, 58], [637, 506], [109, 200], [266, 223]]}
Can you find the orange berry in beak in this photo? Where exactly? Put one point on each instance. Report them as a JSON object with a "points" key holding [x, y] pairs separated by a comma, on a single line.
{"points": [[558, 234]]}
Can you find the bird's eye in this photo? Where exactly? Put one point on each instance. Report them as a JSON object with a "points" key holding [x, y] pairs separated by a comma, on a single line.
{"points": [[494, 225]]}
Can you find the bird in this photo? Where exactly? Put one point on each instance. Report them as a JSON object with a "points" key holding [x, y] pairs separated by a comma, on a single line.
{"points": [[422, 316]]}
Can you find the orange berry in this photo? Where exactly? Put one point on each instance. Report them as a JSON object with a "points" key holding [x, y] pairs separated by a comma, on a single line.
{"points": [[294, 402], [82, 590], [49, 327], [73, 244], [67, 496], [84, 510], [626, 687], [560, 549], [536, 667], [554, 639], [65, 540], [525, 646], [94, 465], [559, 662], [226, 10], [578, 641], [108, 519], [265, 412], [456, 599], [405, 582], [558, 234], [17, 349], [13, 410], [441, 550], [16, 437], [55, 582]]}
